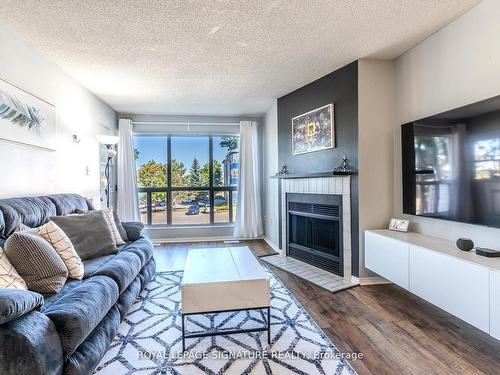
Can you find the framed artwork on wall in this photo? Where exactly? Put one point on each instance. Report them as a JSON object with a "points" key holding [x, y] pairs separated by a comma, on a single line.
{"points": [[26, 119], [313, 131]]}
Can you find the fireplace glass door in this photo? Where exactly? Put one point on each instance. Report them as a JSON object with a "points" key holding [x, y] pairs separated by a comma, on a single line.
{"points": [[315, 233]]}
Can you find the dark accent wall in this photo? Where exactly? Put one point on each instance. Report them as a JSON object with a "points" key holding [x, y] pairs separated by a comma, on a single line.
{"points": [[340, 88]]}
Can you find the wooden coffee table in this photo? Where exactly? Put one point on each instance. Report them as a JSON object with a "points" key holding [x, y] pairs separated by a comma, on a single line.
{"points": [[224, 280]]}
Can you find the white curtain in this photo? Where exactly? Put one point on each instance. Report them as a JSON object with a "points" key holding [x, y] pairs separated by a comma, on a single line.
{"points": [[127, 204], [249, 215]]}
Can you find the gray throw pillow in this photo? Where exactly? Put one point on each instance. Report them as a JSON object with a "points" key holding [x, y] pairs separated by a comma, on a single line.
{"points": [[88, 233], [37, 262], [14, 303], [133, 229]]}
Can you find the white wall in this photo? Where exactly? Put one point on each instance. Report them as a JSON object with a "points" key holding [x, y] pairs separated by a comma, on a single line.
{"points": [[270, 194], [376, 121], [29, 171], [458, 65]]}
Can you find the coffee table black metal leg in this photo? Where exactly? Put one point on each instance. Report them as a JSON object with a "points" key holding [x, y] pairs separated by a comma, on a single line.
{"points": [[269, 325], [183, 334]]}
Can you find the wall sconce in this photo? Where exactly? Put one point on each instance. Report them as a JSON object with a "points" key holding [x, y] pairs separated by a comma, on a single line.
{"points": [[76, 139]]}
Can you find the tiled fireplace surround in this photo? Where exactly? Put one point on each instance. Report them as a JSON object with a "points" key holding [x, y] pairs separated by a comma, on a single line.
{"points": [[339, 185]]}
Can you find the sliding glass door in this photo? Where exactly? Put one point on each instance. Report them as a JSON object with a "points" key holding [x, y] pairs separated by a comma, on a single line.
{"points": [[187, 180]]}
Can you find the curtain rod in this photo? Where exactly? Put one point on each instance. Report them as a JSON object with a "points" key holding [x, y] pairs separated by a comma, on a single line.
{"points": [[182, 123]]}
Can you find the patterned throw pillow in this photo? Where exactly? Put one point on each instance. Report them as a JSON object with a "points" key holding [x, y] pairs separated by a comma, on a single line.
{"points": [[110, 221], [9, 278], [62, 244], [36, 261]]}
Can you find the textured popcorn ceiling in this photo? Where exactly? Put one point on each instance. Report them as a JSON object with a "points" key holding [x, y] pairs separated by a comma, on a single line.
{"points": [[216, 57]]}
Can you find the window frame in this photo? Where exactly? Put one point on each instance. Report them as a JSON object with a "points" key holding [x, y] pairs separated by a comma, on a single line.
{"points": [[169, 189]]}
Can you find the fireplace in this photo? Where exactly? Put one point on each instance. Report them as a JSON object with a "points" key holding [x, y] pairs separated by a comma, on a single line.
{"points": [[314, 230]]}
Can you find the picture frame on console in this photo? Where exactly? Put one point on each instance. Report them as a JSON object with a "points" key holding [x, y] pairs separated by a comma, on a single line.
{"points": [[399, 225]]}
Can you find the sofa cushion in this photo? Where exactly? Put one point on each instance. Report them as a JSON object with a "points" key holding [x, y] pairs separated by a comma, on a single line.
{"points": [[91, 266], [133, 230], [30, 345], [88, 233], [69, 203], [49, 299], [147, 273], [90, 205], [123, 268], [2, 224], [143, 248], [9, 278], [15, 303], [128, 297], [88, 355], [77, 313], [31, 211], [36, 261]]}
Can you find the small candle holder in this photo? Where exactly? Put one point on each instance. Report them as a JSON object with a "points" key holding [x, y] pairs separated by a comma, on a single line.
{"points": [[343, 168], [283, 171]]}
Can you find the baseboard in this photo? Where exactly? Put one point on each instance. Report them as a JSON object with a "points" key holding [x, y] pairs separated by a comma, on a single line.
{"points": [[159, 241], [272, 244], [376, 280]]}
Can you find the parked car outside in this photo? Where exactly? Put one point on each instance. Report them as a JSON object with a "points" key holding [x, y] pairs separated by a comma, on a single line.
{"points": [[193, 210], [219, 201]]}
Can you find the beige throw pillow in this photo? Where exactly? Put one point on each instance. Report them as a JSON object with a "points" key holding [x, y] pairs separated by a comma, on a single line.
{"points": [[110, 221], [9, 278], [56, 237]]}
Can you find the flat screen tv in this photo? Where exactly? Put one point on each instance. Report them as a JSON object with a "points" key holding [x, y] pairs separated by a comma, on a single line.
{"points": [[451, 165]]}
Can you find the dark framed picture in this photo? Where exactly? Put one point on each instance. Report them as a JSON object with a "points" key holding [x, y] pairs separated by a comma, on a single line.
{"points": [[313, 131]]}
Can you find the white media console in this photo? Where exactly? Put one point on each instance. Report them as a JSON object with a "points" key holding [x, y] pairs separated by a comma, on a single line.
{"points": [[462, 283]]}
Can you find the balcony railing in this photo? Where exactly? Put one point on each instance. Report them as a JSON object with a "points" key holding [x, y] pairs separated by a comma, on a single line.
{"points": [[187, 205]]}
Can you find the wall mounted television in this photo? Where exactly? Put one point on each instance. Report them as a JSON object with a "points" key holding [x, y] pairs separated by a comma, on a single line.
{"points": [[451, 165]]}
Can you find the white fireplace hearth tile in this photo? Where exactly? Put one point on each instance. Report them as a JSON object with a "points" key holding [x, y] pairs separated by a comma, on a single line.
{"points": [[347, 184], [315, 275], [338, 186]]}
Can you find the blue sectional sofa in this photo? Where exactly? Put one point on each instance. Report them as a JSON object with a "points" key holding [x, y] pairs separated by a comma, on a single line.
{"points": [[73, 329]]}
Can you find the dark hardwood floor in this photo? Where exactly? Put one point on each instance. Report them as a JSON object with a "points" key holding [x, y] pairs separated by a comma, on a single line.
{"points": [[397, 332]]}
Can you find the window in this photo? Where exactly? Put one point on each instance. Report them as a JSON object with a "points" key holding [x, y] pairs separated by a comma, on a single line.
{"points": [[487, 159], [187, 180], [433, 178]]}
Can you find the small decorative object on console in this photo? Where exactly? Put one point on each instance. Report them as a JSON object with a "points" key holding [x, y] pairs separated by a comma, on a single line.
{"points": [[283, 171], [490, 253], [343, 168], [399, 225], [465, 244]]}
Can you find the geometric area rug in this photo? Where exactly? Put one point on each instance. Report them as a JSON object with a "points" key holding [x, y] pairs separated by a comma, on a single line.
{"points": [[149, 338]]}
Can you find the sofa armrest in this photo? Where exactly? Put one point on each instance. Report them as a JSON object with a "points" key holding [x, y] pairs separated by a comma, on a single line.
{"points": [[15, 303], [30, 345], [133, 229]]}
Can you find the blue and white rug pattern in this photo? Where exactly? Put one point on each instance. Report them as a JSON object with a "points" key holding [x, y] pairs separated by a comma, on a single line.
{"points": [[149, 339]]}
